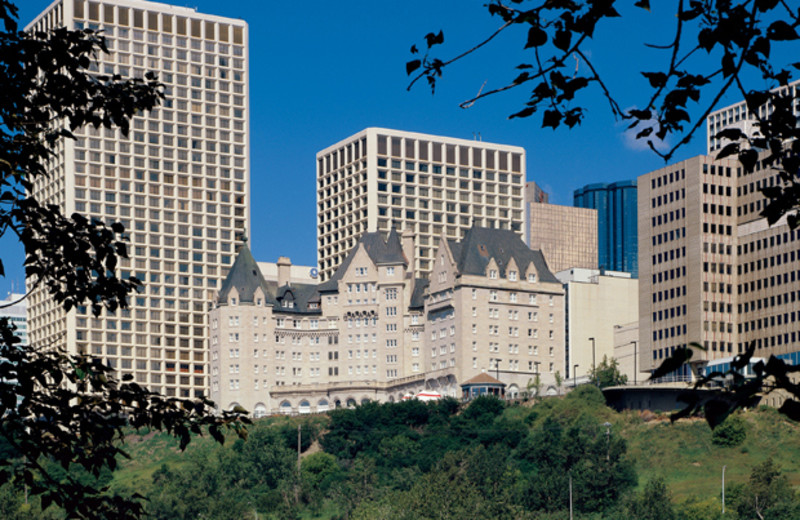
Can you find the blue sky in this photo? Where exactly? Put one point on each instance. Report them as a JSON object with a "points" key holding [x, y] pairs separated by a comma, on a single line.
{"points": [[321, 70]]}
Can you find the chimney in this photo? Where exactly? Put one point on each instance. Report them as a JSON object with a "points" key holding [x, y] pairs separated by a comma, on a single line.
{"points": [[408, 248], [284, 270]]}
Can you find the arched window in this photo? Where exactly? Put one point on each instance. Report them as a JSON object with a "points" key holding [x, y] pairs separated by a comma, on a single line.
{"points": [[259, 411]]}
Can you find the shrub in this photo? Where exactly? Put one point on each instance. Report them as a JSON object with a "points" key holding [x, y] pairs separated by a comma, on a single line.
{"points": [[730, 433]]}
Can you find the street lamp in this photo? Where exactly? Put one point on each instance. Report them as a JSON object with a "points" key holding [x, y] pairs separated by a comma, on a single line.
{"points": [[594, 366], [723, 489], [635, 364], [574, 376]]}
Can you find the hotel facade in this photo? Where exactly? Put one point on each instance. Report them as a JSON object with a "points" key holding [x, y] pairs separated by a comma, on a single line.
{"points": [[375, 331]]}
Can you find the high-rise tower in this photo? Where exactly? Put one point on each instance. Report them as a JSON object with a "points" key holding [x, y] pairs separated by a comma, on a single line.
{"points": [[427, 184], [616, 223], [179, 183]]}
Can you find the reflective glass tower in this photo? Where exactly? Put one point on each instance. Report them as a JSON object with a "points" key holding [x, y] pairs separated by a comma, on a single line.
{"points": [[616, 223]]}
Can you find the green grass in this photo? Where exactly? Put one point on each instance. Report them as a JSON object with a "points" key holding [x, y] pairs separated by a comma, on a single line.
{"points": [[683, 454]]}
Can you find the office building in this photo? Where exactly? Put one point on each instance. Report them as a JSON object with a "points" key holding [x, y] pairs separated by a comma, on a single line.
{"points": [[616, 223], [374, 331], [178, 182], [713, 270], [737, 116], [566, 236], [433, 186], [687, 244], [596, 303]]}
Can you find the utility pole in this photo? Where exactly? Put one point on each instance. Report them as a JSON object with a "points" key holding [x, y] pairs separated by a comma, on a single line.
{"points": [[570, 496], [298, 448], [297, 485]]}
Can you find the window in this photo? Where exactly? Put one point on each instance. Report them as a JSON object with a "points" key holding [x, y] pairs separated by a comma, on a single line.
{"points": [[493, 296], [531, 277], [390, 271], [493, 274], [512, 276]]}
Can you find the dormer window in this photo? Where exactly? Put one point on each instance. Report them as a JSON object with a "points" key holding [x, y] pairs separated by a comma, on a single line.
{"points": [[361, 271], [233, 301], [512, 276], [390, 271], [258, 302], [287, 304], [532, 277], [493, 274]]}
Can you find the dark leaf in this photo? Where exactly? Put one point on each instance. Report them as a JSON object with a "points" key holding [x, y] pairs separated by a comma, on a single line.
{"points": [[412, 65], [657, 79], [640, 114], [716, 411], [672, 363], [414, 49], [536, 37], [766, 5], [434, 39], [525, 112], [644, 4], [791, 409], [729, 149], [562, 40], [552, 118], [748, 158], [779, 30]]}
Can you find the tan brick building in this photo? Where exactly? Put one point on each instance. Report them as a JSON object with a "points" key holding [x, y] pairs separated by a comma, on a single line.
{"points": [[375, 332]]}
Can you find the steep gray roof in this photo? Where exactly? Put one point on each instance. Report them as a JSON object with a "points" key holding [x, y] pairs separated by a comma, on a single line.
{"points": [[473, 252], [301, 294], [418, 295], [245, 276], [380, 251]]}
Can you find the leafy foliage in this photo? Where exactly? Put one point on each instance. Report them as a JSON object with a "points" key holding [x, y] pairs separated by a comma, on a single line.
{"points": [[737, 36], [653, 503], [767, 495], [60, 412], [732, 432], [607, 374]]}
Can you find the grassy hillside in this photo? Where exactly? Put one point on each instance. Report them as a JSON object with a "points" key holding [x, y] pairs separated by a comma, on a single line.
{"points": [[681, 453], [691, 464]]}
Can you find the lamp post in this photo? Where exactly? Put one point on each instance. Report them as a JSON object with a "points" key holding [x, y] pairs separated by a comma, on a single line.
{"points": [[574, 376], [594, 366], [635, 364], [723, 489]]}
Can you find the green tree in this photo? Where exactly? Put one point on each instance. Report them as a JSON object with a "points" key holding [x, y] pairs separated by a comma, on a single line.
{"points": [[55, 407], [653, 503], [768, 495], [607, 374]]}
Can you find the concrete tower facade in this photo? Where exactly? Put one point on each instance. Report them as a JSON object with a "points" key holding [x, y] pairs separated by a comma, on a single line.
{"points": [[430, 185], [179, 183]]}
